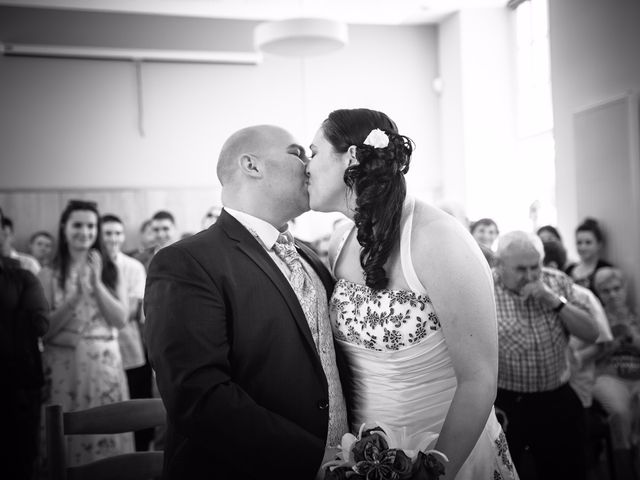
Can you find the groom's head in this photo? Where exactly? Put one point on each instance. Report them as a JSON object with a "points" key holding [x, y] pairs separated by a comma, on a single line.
{"points": [[262, 172]]}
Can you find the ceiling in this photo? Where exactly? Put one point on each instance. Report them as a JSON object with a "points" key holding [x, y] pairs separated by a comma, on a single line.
{"points": [[373, 12], [197, 25]]}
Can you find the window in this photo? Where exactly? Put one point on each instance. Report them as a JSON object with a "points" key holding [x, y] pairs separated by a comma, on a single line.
{"points": [[535, 149]]}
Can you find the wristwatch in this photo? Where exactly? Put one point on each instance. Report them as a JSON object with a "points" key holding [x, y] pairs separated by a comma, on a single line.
{"points": [[563, 302]]}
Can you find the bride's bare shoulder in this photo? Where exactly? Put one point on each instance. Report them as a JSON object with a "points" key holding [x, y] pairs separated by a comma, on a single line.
{"points": [[340, 230], [435, 227], [427, 215]]}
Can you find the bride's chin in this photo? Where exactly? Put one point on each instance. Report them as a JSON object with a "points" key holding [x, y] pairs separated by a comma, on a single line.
{"points": [[317, 206]]}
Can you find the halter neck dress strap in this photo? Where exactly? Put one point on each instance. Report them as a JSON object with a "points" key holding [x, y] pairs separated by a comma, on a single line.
{"points": [[343, 240], [409, 272]]}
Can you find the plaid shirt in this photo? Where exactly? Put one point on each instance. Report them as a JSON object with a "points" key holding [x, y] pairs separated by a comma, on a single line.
{"points": [[532, 339]]}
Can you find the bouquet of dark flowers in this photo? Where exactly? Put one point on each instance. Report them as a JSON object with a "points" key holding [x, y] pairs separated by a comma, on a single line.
{"points": [[379, 453]]}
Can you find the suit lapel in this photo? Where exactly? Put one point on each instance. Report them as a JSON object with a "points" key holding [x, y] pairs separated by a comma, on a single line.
{"points": [[250, 246]]}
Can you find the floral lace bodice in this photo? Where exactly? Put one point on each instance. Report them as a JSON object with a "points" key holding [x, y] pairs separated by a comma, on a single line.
{"points": [[381, 320]]}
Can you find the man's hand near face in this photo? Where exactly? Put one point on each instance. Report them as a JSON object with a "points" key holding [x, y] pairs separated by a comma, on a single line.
{"points": [[540, 292]]}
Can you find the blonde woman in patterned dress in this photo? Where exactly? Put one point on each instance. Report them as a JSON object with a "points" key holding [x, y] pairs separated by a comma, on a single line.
{"points": [[81, 357], [413, 306]]}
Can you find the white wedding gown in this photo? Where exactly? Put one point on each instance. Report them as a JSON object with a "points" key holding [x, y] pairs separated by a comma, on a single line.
{"points": [[402, 372]]}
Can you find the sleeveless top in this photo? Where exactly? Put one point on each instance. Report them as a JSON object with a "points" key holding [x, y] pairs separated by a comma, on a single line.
{"points": [[403, 376]]}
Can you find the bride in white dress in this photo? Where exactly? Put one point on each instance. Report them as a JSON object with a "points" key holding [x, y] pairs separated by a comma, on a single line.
{"points": [[413, 306]]}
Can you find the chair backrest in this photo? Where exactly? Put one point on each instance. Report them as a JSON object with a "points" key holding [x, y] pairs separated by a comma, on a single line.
{"points": [[126, 416]]}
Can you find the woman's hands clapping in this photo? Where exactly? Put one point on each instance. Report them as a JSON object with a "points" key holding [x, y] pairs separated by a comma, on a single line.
{"points": [[94, 261]]}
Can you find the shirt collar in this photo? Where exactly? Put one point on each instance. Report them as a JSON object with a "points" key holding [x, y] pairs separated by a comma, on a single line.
{"points": [[267, 233]]}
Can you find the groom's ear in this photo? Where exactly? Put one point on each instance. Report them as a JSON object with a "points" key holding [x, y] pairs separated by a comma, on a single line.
{"points": [[353, 158], [250, 165]]}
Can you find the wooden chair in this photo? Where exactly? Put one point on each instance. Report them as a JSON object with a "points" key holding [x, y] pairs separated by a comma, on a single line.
{"points": [[126, 416]]}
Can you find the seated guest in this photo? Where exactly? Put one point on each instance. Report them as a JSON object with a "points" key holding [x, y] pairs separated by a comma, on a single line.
{"points": [[537, 311], [589, 243], [23, 319], [133, 276], [485, 231], [617, 385], [26, 261], [41, 247]]}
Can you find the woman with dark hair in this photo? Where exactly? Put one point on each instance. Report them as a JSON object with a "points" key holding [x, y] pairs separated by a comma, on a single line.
{"points": [[82, 362], [589, 243], [549, 233], [413, 306]]}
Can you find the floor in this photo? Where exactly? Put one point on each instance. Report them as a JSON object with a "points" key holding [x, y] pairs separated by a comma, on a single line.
{"points": [[600, 471]]}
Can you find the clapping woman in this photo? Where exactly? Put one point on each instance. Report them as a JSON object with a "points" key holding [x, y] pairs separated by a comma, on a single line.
{"points": [[82, 362]]}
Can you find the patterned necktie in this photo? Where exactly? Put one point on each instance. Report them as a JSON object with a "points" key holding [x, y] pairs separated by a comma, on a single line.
{"points": [[313, 301], [300, 281]]}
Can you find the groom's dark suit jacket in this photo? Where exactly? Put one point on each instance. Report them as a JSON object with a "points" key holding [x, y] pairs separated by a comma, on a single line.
{"points": [[236, 366]]}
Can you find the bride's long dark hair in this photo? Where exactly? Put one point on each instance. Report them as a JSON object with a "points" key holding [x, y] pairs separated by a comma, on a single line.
{"points": [[377, 180]]}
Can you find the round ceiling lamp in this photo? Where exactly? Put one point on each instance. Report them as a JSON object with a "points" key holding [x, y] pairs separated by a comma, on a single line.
{"points": [[301, 37]]}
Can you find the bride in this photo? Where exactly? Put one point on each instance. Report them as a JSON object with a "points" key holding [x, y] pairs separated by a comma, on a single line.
{"points": [[413, 305]]}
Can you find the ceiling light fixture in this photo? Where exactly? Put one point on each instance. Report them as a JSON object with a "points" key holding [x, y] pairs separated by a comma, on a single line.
{"points": [[301, 37]]}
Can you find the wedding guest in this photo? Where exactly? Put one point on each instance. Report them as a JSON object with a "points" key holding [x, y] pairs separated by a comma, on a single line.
{"points": [[413, 308], [41, 247], [537, 311], [211, 216], [238, 329], [582, 355], [82, 361], [555, 255], [549, 233], [133, 276], [146, 239], [489, 254], [589, 243], [485, 231], [26, 261], [23, 319], [163, 226], [617, 385]]}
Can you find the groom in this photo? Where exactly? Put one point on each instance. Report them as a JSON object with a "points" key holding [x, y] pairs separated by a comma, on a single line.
{"points": [[238, 331]]}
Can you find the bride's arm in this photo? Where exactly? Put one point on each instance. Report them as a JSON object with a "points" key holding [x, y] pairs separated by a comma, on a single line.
{"points": [[453, 270]]}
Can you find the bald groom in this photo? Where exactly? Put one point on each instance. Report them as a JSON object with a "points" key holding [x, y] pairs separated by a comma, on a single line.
{"points": [[238, 329]]}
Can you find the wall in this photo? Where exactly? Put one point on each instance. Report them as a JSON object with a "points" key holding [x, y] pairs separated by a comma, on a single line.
{"points": [[73, 124], [594, 59], [477, 113]]}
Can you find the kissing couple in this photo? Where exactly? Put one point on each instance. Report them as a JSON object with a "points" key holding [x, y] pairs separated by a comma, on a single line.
{"points": [[264, 359]]}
